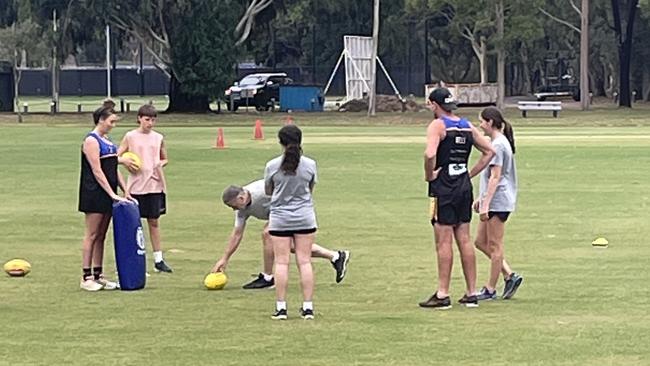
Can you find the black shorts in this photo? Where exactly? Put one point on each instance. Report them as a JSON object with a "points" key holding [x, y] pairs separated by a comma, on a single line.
{"points": [[151, 205], [291, 233], [502, 215], [452, 209], [95, 201]]}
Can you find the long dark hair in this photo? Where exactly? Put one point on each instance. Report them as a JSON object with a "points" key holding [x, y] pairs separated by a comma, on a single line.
{"points": [[494, 114], [290, 137]]}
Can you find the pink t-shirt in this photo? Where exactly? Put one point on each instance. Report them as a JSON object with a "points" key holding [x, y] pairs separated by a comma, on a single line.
{"points": [[150, 178]]}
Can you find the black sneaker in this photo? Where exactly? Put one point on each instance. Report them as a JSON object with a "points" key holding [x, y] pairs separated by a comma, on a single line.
{"points": [[341, 265], [469, 301], [436, 303], [280, 315], [162, 267], [258, 283], [307, 314], [512, 284], [485, 294]]}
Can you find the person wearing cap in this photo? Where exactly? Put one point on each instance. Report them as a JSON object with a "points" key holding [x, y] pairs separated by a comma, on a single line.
{"points": [[449, 143], [251, 200]]}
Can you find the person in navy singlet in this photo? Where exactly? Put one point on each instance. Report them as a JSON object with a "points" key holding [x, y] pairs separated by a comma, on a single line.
{"points": [[97, 192], [449, 143]]}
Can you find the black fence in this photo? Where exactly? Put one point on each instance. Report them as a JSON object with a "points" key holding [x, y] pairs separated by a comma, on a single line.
{"points": [[92, 81], [6, 87], [151, 81]]}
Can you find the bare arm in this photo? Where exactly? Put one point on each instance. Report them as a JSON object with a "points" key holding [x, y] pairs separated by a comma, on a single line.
{"points": [[493, 183], [487, 152], [91, 151], [127, 162], [434, 132], [164, 160], [233, 243]]}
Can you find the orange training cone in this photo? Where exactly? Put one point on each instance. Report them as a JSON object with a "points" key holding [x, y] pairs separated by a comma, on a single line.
{"points": [[289, 120], [259, 133], [221, 144]]}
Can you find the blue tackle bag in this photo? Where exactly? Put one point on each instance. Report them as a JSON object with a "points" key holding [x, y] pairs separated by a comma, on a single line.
{"points": [[129, 246]]}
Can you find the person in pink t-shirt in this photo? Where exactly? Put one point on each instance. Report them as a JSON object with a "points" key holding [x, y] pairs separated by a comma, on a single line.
{"points": [[147, 184]]}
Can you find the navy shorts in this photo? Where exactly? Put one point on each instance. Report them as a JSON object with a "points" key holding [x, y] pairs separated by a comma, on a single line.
{"points": [[151, 205]]}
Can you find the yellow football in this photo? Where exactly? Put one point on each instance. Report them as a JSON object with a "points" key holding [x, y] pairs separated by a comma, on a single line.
{"points": [[215, 281], [133, 156], [17, 267]]}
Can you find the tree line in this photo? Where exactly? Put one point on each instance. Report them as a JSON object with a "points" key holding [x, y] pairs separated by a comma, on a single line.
{"points": [[198, 43]]}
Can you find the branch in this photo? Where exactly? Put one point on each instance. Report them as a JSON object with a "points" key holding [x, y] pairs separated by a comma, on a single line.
{"points": [[165, 36], [573, 27], [575, 7], [158, 57], [246, 22]]}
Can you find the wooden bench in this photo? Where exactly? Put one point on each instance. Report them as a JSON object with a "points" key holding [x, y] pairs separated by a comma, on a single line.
{"points": [[525, 106]]}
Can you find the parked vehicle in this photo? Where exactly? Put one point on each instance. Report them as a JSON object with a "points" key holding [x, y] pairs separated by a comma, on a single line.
{"points": [[261, 91]]}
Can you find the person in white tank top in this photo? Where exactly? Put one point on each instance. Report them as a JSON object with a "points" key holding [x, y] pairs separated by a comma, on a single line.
{"points": [[146, 183]]}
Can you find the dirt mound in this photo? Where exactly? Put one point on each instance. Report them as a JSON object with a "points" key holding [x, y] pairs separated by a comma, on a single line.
{"points": [[385, 103]]}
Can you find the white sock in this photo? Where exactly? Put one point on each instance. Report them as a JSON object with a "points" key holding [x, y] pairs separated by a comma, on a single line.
{"points": [[267, 277], [307, 305], [280, 305], [335, 257], [157, 256]]}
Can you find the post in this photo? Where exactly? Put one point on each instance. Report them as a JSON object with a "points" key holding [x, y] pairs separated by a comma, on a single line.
{"points": [[501, 57], [141, 70], [108, 61], [372, 100], [584, 56], [55, 93], [427, 71]]}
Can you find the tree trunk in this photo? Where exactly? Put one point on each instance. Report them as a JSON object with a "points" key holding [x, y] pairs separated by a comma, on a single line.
{"points": [[624, 49], [624, 58], [184, 103], [482, 60]]}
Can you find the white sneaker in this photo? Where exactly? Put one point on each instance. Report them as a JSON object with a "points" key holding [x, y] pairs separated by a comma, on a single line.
{"points": [[90, 285], [106, 284]]}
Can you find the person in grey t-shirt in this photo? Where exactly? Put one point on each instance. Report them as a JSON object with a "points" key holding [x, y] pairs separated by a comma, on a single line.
{"points": [[497, 199], [252, 200], [290, 180]]}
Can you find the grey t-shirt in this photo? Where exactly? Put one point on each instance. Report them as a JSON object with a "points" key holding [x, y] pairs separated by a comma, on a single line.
{"points": [[259, 206], [292, 207], [505, 197]]}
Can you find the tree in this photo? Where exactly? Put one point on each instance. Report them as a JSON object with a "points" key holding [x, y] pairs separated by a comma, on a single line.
{"points": [[191, 40], [21, 41]]}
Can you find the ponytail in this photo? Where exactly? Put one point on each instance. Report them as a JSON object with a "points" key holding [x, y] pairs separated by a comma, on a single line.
{"points": [[291, 159], [509, 133], [290, 137]]}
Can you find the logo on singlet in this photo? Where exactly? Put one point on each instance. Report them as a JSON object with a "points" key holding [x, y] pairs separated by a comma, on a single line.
{"points": [[460, 140], [139, 239]]}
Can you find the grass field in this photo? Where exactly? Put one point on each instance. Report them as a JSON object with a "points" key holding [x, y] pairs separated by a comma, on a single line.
{"points": [[581, 176]]}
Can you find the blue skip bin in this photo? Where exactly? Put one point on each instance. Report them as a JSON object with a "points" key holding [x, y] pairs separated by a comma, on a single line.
{"points": [[129, 246], [306, 98]]}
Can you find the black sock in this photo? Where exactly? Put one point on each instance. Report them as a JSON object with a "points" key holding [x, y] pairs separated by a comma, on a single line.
{"points": [[86, 273], [97, 271]]}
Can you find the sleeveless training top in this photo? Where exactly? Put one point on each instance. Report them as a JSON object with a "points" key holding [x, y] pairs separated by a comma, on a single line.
{"points": [[453, 157], [92, 197]]}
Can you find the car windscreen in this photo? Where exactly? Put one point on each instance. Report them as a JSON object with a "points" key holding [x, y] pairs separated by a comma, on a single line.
{"points": [[252, 80]]}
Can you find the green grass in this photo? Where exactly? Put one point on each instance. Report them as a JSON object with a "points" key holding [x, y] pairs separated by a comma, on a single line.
{"points": [[581, 176]]}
